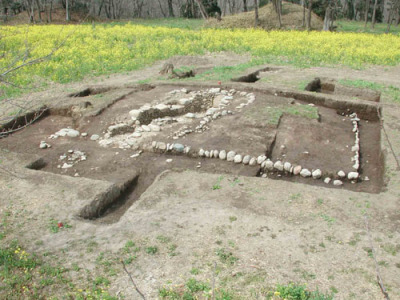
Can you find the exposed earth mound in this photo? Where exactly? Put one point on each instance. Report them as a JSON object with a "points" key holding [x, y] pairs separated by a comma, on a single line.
{"points": [[292, 18]]}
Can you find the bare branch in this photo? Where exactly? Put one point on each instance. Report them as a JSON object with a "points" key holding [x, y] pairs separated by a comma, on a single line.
{"points": [[133, 282]]}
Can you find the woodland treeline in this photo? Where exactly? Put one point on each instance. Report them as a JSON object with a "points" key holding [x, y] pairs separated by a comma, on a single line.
{"points": [[373, 11]]}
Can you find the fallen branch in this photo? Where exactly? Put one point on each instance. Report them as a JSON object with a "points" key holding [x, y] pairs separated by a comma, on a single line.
{"points": [[133, 282]]}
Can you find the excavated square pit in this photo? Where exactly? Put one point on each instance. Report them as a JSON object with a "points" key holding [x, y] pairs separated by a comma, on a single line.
{"points": [[209, 129]]}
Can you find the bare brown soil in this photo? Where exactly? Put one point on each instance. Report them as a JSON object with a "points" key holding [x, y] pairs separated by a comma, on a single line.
{"points": [[282, 228]]}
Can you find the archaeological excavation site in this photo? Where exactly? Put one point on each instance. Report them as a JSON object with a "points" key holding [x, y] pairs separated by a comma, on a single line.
{"points": [[279, 178]]}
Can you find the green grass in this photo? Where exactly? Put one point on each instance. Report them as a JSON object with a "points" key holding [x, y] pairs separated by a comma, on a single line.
{"points": [[25, 275], [181, 23], [356, 26], [297, 292], [390, 92], [272, 114]]}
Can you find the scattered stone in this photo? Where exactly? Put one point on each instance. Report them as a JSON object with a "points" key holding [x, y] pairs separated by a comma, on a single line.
{"points": [[316, 174], [146, 128], [264, 176], [341, 174], [136, 134], [305, 173], [169, 160], [44, 145], [366, 178], [66, 166], [237, 159], [278, 165], [222, 154], [190, 115], [230, 156], [94, 137], [327, 180], [68, 132], [154, 127], [84, 134], [337, 183], [352, 175]]}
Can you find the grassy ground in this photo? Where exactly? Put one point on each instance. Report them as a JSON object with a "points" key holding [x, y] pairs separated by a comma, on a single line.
{"points": [[356, 26]]}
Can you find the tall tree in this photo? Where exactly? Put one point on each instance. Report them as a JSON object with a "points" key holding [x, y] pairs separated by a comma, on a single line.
{"points": [[366, 13], [374, 14], [309, 15], [256, 19], [67, 16], [245, 6], [171, 9]]}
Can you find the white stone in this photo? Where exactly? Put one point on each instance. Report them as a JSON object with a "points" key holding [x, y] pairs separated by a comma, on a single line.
{"points": [[237, 159], [154, 127], [136, 134], [134, 113], [68, 132], [305, 173], [337, 182], [341, 174], [207, 153], [201, 153], [216, 153], [253, 161], [246, 159], [222, 154], [327, 180], [230, 156], [161, 146], [43, 145], [94, 137], [287, 166], [269, 165], [66, 166], [278, 165], [356, 166], [185, 101], [261, 159], [316, 174], [352, 175], [84, 134], [146, 128], [190, 115], [169, 160]]}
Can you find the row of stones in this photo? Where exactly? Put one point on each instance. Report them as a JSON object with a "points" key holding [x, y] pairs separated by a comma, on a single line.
{"points": [[266, 164]]}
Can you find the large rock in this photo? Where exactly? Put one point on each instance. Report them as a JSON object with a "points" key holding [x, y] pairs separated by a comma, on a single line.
{"points": [[269, 165], [352, 175], [297, 170], [246, 159], [261, 159], [179, 148], [68, 132], [287, 166]]}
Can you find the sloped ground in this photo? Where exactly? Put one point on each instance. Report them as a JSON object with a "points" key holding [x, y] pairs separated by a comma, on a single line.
{"points": [[292, 18]]}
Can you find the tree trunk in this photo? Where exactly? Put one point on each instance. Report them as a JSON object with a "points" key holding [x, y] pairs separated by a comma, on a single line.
{"points": [[309, 15], [279, 13], [390, 19], [170, 9], [256, 20], [374, 14], [327, 19], [245, 6], [161, 9], [39, 11], [366, 13], [202, 9], [51, 11], [67, 18], [303, 3]]}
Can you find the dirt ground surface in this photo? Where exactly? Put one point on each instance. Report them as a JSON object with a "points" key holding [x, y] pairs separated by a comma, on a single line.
{"points": [[235, 226]]}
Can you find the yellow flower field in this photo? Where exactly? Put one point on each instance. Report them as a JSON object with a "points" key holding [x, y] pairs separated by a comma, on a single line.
{"points": [[102, 49]]}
